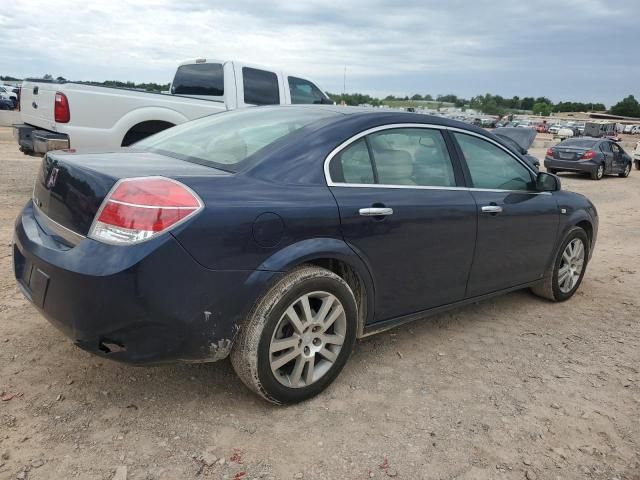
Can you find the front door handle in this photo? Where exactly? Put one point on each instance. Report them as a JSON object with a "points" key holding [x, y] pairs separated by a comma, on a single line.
{"points": [[376, 211], [492, 209]]}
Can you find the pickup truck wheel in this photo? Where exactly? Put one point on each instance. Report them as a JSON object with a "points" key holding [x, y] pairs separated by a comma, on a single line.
{"points": [[627, 170], [598, 173], [565, 276], [298, 337]]}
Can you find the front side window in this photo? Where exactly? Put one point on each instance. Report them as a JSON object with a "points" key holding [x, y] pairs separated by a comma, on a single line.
{"points": [[615, 148], [199, 79], [260, 87], [491, 167], [304, 92]]}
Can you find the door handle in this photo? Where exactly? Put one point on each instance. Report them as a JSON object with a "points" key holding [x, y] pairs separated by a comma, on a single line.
{"points": [[492, 209], [376, 211]]}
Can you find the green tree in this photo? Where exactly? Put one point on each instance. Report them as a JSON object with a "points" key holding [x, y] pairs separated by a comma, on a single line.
{"points": [[417, 96], [628, 107], [428, 97], [527, 103], [542, 108]]}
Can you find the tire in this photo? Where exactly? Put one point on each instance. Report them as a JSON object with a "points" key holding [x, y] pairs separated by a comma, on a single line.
{"points": [[553, 171], [598, 173], [626, 172], [551, 287], [256, 356]]}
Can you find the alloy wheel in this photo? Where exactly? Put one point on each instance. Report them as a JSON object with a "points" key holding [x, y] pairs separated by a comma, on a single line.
{"points": [[571, 265], [307, 339], [600, 172]]}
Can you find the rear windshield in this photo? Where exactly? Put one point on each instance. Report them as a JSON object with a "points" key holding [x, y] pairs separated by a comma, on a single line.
{"points": [[224, 140], [579, 142], [199, 79]]}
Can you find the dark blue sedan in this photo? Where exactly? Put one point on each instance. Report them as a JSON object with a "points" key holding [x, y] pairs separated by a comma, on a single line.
{"points": [[280, 235]]}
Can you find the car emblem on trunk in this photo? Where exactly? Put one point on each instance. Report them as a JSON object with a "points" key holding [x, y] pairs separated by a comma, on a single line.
{"points": [[53, 178]]}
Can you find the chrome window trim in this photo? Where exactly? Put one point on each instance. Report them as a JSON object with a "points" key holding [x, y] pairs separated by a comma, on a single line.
{"points": [[430, 126], [60, 230]]}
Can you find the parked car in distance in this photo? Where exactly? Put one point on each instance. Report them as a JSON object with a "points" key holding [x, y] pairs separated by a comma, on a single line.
{"points": [[6, 104], [563, 133], [280, 235], [7, 93], [599, 129], [554, 128], [520, 139], [542, 127], [597, 157], [59, 115], [636, 156]]}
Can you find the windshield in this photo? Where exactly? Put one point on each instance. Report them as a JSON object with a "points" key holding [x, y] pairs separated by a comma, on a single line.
{"points": [[581, 143], [224, 140]]}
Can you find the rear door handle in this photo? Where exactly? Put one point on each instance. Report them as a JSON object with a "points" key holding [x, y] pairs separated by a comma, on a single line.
{"points": [[376, 211], [492, 209]]}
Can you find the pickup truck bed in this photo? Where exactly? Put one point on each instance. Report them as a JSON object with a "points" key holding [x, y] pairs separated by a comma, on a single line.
{"points": [[105, 116]]}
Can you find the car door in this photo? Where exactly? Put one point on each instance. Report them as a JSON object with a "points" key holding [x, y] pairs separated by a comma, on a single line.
{"points": [[517, 226], [402, 210], [618, 158], [609, 159]]}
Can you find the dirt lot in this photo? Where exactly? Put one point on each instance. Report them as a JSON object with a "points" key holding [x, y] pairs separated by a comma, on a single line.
{"points": [[510, 388]]}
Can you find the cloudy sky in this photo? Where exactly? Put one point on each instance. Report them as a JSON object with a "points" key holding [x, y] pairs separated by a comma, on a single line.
{"points": [[565, 49]]}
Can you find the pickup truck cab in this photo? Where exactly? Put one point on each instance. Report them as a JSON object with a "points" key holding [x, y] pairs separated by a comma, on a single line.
{"points": [[58, 115]]}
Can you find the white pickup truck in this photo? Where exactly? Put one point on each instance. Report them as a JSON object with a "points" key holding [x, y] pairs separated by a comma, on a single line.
{"points": [[58, 115]]}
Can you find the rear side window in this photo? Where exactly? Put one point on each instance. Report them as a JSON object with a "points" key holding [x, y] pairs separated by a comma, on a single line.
{"points": [[303, 91], [260, 87], [412, 156], [491, 167], [605, 147], [395, 157], [353, 165], [199, 79]]}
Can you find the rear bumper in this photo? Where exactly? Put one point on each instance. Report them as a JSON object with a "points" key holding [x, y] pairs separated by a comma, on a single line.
{"points": [[570, 165], [33, 140], [149, 303]]}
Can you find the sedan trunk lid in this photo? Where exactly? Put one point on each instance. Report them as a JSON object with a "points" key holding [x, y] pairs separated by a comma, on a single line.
{"points": [[70, 187]]}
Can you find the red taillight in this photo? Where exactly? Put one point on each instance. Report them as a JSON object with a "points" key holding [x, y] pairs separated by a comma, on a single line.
{"points": [[61, 111], [140, 208], [549, 152], [588, 155]]}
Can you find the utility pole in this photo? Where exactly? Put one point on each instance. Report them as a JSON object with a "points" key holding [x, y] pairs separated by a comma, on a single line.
{"points": [[344, 85]]}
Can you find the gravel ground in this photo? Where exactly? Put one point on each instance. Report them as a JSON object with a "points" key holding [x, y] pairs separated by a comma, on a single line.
{"points": [[510, 388]]}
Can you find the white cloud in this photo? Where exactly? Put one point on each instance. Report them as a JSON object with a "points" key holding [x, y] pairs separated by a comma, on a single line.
{"points": [[465, 47]]}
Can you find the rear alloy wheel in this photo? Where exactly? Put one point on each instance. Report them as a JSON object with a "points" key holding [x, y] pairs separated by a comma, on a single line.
{"points": [[568, 269], [626, 172], [298, 337], [598, 173]]}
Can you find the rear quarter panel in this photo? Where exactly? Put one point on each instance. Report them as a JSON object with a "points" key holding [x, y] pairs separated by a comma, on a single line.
{"points": [[246, 221]]}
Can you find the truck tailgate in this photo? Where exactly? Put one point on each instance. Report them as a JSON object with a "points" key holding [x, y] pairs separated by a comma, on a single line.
{"points": [[36, 104]]}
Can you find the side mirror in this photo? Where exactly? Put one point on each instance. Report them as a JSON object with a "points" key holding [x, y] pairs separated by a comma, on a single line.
{"points": [[546, 182]]}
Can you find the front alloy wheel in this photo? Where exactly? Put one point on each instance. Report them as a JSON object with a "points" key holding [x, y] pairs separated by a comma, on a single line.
{"points": [[565, 275], [571, 265], [626, 171]]}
